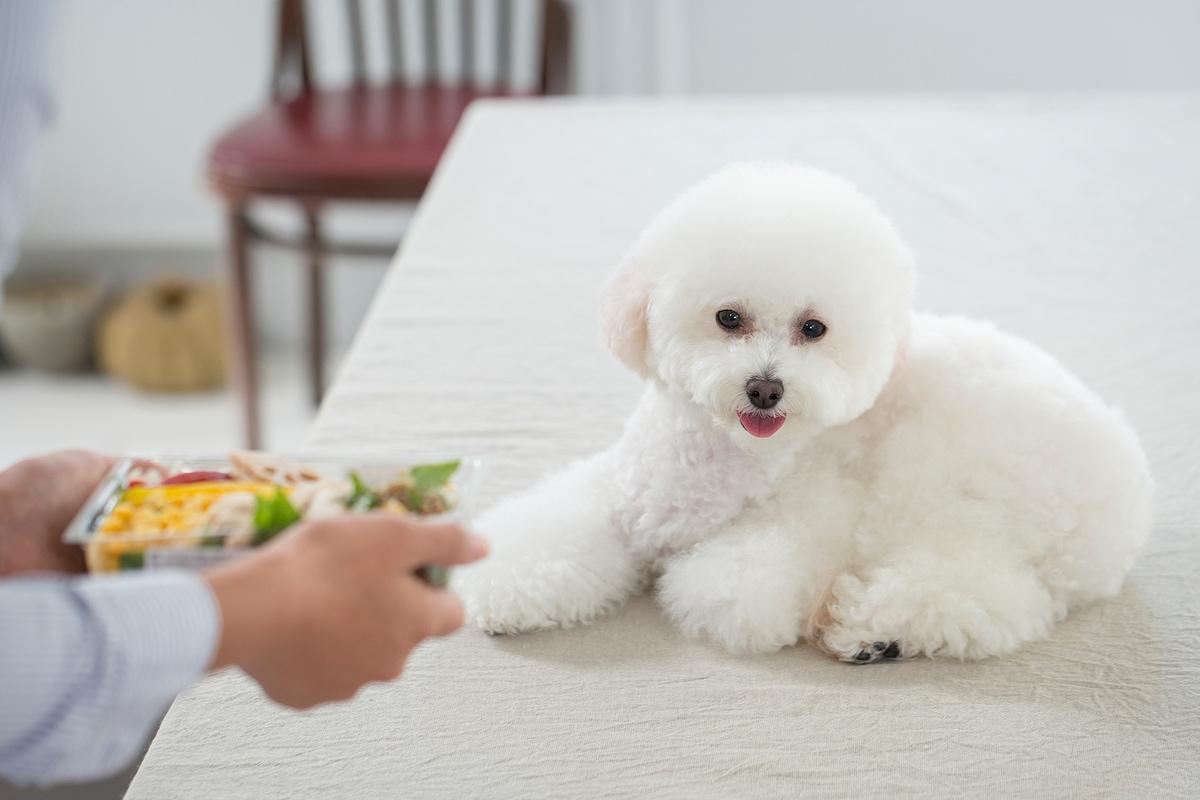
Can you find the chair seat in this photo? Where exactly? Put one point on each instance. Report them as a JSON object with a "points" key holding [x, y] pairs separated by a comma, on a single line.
{"points": [[365, 142]]}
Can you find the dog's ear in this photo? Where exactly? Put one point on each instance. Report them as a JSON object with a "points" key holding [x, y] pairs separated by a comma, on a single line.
{"points": [[624, 306]]}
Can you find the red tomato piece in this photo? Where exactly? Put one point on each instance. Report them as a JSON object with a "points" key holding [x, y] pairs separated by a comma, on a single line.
{"points": [[197, 476]]}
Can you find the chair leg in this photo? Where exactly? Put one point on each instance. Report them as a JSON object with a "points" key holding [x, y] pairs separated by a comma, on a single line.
{"points": [[316, 310], [243, 361]]}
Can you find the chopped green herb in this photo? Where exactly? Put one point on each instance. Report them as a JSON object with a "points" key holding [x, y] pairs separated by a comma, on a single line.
{"points": [[212, 541], [272, 516], [361, 498], [131, 559]]}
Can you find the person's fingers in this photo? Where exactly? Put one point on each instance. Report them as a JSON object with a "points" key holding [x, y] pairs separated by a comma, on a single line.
{"points": [[70, 466], [445, 545], [445, 613], [413, 544], [64, 480], [80, 471], [86, 462]]}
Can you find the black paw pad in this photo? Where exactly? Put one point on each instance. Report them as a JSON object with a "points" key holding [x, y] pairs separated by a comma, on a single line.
{"points": [[878, 651]]}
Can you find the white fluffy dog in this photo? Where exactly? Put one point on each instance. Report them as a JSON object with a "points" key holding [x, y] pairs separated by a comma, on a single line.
{"points": [[811, 460]]}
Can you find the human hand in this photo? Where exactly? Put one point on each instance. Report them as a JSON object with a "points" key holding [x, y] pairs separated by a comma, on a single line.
{"points": [[38, 499], [334, 604]]}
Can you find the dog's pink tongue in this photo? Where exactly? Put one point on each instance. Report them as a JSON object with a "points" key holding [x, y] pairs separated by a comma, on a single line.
{"points": [[759, 425]]}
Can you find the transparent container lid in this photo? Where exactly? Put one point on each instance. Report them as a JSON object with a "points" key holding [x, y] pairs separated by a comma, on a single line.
{"points": [[198, 548]]}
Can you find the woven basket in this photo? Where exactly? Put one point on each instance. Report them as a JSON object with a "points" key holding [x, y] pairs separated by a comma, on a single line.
{"points": [[47, 324], [165, 337]]}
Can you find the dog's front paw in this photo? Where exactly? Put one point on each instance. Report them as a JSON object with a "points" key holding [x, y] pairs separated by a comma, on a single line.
{"points": [[531, 594], [557, 560], [499, 604], [738, 629], [740, 592]]}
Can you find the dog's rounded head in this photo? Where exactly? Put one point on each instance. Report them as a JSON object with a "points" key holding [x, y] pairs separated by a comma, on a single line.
{"points": [[766, 293]]}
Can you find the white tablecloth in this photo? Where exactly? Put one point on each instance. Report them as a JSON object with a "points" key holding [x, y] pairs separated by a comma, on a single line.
{"points": [[1072, 221]]}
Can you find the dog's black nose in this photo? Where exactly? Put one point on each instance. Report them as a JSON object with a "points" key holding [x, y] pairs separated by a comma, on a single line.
{"points": [[764, 393]]}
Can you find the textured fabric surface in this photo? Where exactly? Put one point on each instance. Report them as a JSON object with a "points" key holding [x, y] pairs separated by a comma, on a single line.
{"points": [[1072, 221]]}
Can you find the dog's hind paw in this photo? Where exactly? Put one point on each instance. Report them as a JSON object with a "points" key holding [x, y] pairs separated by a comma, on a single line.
{"points": [[878, 651], [859, 645], [843, 626]]}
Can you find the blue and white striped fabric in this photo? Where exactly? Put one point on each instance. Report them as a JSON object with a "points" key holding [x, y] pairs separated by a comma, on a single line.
{"points": [[26, 28], [89, 665]]}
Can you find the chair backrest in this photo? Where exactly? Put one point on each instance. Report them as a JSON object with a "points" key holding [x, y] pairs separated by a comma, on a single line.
{"points": [[516, 46]]}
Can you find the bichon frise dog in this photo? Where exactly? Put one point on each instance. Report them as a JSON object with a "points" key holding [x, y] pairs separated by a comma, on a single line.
{"points": [[811, 460]]}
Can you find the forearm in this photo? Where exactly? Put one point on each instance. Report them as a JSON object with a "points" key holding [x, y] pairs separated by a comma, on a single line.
{"points": [[88, 666]]}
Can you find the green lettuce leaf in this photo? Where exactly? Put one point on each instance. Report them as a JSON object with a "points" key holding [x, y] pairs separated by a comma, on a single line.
{"points": [[433, 476], [272, 516]]}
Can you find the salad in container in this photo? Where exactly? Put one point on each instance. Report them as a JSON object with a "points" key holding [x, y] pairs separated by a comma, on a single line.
{"points": [[193, 513]]}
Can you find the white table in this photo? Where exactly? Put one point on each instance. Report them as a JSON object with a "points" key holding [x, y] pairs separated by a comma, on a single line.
{"points": [[1073, 221]]}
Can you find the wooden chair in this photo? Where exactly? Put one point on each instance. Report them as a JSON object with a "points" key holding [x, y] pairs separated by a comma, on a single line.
{"points": [[369, 141]]}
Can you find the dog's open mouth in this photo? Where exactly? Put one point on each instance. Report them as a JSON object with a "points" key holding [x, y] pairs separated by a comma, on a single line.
{"points": [[761, 425]]}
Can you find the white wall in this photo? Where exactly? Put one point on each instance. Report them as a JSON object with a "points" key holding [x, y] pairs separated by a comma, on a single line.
{"points": [[143, 86], [142, 89], [891, 45], [945, 45]]}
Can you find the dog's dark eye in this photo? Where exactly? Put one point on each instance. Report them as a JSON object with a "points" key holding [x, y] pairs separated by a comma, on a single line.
{"points": [[729, 319], [813, 329]]}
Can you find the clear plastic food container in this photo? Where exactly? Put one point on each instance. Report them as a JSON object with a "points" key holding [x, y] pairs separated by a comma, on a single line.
{"points": [[191, 513]]}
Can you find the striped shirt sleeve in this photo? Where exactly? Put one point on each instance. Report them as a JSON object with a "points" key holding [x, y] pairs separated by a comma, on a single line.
{"points": [[89, 665]]}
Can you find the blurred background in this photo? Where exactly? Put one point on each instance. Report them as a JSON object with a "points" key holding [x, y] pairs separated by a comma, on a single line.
{"points": [[114, 108], [148, 146]]}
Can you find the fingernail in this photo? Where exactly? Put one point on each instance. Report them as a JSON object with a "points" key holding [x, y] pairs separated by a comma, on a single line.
{"points": [[477, 546]]}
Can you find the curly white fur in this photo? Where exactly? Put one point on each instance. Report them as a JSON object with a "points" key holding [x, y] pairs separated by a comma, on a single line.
{"points": [[936, 483]]}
